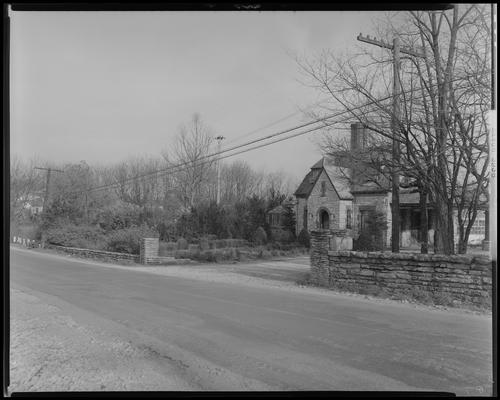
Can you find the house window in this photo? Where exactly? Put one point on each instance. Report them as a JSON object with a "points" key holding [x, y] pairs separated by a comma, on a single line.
{"points": [[348, 222], [323, 189], [479, 227]]}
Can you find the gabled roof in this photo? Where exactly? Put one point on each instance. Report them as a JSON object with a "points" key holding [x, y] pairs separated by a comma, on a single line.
{"points": [[333, 172], [277, 210], [306, 186], [319, 164], [339, 181]]}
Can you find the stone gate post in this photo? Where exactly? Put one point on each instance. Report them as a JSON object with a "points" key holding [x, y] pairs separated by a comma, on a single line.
{"points": [[320, 244], [149, 249]]}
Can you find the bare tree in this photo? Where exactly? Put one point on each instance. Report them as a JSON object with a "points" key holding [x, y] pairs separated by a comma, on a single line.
{"points": [[238, 181], [191, 149]]}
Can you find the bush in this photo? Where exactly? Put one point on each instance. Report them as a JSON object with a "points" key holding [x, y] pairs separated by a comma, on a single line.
{"points": [[204, 244], [371, 238], [260, 236], [304, 238], [283, 236], [182, 244], [221, 243], [128, 240], [71, 235], [182, 254]]}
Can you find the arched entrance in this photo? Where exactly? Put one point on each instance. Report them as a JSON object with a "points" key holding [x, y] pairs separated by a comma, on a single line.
{"points": [[324, 219]]}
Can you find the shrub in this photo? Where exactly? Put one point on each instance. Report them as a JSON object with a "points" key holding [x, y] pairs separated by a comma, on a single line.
{"points": [[193, 248], [221, 243], [71, 235], [182, 254], [204, 244], [304, 238], [371, 238], [182, 244], [128, 240], [260, 236]]}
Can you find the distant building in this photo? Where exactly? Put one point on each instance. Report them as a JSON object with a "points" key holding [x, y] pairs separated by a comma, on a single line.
{"points": [[34, 204], [276, 218], [336, 195]]}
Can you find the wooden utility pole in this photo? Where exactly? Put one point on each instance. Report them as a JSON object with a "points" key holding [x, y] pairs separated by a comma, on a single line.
{"points": [[396, 50], [219, 139], [46, 196]]}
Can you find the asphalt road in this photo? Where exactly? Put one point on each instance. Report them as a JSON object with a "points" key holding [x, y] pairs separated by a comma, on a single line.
{"points": [[232, 336]]}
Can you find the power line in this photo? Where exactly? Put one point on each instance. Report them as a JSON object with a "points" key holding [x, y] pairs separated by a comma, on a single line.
{"points": [[211, 157], [277, 121]]}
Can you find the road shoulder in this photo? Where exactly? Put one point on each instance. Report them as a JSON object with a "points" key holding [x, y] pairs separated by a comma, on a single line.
{"points": [[50, 351]]}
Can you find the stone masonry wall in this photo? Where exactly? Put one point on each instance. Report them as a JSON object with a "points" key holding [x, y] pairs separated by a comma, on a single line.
{"points": [[463, 278], [97, 254]]}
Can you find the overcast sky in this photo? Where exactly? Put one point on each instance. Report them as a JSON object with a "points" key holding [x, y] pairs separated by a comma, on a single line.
{"points": [[103, 86]]}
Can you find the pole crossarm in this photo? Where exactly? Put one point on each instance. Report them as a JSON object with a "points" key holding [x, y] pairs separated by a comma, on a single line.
{"points": [[49, 169], [379, 43]]}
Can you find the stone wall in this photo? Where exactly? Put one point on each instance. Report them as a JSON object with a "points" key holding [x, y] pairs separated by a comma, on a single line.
{"points": [[463, 278], [96, 254]]}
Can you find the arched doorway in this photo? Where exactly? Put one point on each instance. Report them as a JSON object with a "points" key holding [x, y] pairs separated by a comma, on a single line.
{"points": [[324, 219]]}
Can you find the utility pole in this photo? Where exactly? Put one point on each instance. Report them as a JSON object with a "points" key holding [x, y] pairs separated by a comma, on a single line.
{"points": [[219, 138], [46, 196], [396, 50]]}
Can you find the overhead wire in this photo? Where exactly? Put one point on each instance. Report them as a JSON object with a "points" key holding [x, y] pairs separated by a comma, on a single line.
{"points": [[212, 157]]}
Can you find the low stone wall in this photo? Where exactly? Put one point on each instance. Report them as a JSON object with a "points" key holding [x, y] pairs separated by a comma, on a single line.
{"points": [[463, 278], [97, 254]]}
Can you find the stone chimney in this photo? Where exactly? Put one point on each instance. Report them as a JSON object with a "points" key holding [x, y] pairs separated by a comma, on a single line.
{"points": [[358, 142], [358, 136]]}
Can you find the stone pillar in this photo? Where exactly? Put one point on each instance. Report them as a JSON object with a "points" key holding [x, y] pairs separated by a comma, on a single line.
{"points": [[150, 248], [320, 270]]}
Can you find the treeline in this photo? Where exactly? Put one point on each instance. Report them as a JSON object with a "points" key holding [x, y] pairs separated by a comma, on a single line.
{"points": [[111, 207]]}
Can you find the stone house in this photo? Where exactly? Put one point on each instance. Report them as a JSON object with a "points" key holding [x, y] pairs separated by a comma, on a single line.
{"points": [[339, 195], [322, 200]]}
